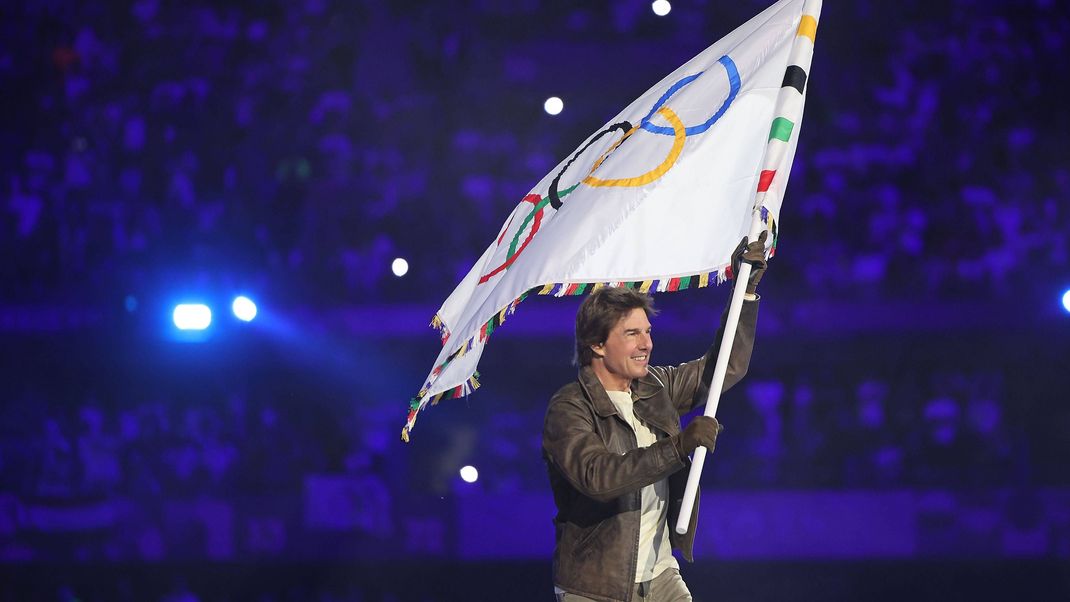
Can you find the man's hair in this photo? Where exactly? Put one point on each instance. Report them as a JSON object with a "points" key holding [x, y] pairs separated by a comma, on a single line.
{"points": [[600, 312]]}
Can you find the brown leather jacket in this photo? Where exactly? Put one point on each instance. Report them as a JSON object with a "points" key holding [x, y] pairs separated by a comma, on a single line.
{"points": [[597, 472]]}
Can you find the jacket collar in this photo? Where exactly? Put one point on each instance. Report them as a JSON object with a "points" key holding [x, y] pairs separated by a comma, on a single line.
{"points": [[642, 388], [593, 389], [647, 387]]}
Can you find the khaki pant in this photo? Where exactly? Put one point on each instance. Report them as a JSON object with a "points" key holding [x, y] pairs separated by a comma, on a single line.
{"points": [[669, 586]]}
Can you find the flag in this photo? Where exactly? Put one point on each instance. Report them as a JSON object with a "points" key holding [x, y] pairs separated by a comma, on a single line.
{"points": [[657, 199]]}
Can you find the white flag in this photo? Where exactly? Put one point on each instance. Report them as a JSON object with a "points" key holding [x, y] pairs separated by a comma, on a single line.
{"points": [[657, 199]]}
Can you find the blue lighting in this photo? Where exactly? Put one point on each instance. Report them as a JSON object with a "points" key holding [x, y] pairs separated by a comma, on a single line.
{"points": [[244, 309], [192, 316]]}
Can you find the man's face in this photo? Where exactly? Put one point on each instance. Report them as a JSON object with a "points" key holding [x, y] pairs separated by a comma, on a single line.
{"points": [[626, 352]]}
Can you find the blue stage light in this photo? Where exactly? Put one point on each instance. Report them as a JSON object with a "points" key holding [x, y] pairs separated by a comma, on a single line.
{"points": [[244, 309], [1066, 300], [192, 316]]}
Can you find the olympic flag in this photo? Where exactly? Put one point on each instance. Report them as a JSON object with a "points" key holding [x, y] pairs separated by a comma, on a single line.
{"points": [[656, 200]]}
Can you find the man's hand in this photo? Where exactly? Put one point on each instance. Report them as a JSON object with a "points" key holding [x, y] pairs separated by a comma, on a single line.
{"points": [[754, 254], [702, 431]]}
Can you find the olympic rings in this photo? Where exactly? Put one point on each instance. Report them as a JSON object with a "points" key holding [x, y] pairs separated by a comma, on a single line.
{"points": [[734, 85], [676, 129]]}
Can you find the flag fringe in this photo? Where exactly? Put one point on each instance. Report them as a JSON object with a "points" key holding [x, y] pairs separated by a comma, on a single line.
{"points": [[443, 332], [418, 403], [770, 224], [557, 289]]}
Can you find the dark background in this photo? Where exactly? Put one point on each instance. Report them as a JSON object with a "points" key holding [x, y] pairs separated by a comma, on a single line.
{"points": [[902, 433]]}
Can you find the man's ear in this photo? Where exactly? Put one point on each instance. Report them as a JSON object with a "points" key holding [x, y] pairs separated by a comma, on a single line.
{"points": [[599, 350]]}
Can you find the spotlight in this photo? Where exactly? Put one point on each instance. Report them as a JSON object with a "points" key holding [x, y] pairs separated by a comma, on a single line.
{"points": [[192, 316], [400, 267], [553, 105], [1066, 300], [661, 7], [244, 309], [469, 474]]}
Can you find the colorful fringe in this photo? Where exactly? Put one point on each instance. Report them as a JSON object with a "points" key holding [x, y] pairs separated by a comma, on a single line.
{"points": [[562, 289], [659, 285], [415, 405], [557, 289], [770, 224], [444, 333]]}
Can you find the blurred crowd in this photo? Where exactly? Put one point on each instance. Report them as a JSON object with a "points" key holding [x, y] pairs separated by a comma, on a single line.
{"points": [[277, 475], [218, 477], [312, 142], [304, 145], [806, 431], [811, 426], [157, 448]]}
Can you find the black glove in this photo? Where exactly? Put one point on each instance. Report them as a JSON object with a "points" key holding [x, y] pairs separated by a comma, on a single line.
{"points": [[702, 431], [754, 254]]}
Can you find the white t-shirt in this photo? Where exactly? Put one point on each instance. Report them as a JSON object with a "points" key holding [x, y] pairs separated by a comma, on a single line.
{"points": [[655, 550]]}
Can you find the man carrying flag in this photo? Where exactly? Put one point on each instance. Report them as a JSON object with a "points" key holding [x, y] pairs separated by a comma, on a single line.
{"points": [[653, 201], [616, 454]]}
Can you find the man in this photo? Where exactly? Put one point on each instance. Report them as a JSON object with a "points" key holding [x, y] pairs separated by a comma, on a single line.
{"points": [[615, 452]]}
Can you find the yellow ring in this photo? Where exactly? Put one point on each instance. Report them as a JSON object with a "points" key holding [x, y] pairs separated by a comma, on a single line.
{"points": [[679, 137]]}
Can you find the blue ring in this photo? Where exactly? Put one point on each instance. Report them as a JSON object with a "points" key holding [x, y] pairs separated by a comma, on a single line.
{"points": [[734, 86]]}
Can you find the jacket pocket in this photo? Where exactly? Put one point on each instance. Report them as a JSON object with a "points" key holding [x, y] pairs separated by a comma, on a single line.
{"points": [[584, 543]]}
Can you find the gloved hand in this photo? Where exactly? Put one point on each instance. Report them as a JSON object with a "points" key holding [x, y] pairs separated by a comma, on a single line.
{"points": [[754, 254], [702, 431]]}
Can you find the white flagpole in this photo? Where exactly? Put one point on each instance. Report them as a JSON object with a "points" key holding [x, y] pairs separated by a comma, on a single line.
{"points": [[801, 53], [720, 369]]}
